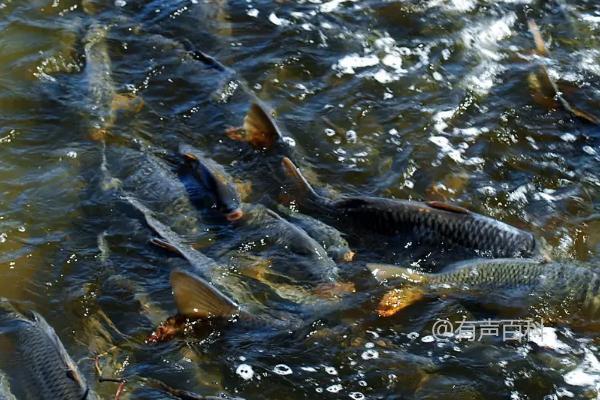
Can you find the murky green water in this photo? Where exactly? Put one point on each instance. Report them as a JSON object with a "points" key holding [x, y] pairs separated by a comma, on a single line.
{"points": [[407, 99]]}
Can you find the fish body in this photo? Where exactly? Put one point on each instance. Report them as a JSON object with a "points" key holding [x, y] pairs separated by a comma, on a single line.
{"points": [[98, 74], [331, 239], [206, 178], [46, 369], [152, 182], [277, 230], [431, 222], [574, 290]]}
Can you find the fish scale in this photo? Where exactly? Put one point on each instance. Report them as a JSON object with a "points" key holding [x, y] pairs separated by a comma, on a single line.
{"points": [[47, 371]]}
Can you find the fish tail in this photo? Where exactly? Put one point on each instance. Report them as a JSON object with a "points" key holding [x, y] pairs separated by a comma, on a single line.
{"points": [[197, 298], [300, 181]]}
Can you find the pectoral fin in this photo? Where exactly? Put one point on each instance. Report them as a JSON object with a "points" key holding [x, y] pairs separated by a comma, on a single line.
{"points": [[197, 298], [398, 299], [127, 102]]}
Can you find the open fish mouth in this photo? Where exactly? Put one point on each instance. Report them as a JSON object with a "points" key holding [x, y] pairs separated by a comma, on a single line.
{"points": [[234, 215]]}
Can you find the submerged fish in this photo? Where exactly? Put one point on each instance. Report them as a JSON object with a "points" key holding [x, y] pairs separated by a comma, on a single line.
{"points": [[103, 99], [511, 283], [330, 238], [46, 369], [274, 229], [198, 300], [214, 180], [546, 89], [432, 222]]}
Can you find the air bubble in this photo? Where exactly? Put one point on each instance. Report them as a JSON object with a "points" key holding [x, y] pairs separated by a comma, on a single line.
{"points": [[245, 371], [357, 396], [334, 388], [282, 369], [331, 370], [370, 355]]}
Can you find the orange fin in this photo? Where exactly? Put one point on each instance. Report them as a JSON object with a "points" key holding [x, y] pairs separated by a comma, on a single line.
{"points": [[398, 299], [540, 45], [447, 207], [258, 129], [127, 102]]}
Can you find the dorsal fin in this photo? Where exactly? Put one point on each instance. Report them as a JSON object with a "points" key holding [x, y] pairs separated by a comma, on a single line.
{"points": [[197, 298], [260, 129], [447, 207], [300, 181]]}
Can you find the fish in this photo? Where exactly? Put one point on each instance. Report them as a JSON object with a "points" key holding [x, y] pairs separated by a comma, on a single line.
{"points": [[546, 89], [555, 288], [274, 229], [213, 179], [331, 239], [260, 270], [103, 100], [47, 371], [431, 222], [153, 182], [198, 300]]}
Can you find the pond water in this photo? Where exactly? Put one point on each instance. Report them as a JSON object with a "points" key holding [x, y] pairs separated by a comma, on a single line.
{"points": [[414, 99]]}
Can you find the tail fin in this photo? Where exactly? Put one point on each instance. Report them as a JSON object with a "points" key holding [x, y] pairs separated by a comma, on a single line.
{"points": [[294, 172], [385, 272], [199, 299]]}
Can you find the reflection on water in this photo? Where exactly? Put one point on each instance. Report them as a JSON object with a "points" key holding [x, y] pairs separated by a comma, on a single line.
{"points": [[428, 100]]}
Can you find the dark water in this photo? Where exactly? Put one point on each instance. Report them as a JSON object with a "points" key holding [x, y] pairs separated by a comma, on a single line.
{"points": [[408, 99]]}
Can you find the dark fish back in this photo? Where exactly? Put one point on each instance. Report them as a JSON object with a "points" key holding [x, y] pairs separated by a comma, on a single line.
{"points": [[47, 371], [449, 226]]}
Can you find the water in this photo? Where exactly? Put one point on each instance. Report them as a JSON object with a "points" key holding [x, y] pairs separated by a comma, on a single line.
{"points": [[407, 99]]}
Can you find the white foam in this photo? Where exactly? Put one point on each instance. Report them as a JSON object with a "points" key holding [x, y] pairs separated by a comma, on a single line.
{"points": [[332, 5], [587, 373], [546, 337], [453, 5], [483, 41], [275, 20], [348, 63]]}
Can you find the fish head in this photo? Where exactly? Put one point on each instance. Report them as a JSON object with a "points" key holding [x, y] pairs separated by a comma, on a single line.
{"points": [[166, 331], [225, 196]]}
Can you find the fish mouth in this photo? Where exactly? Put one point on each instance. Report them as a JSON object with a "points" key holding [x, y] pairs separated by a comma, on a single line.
{"points": [[234, 215], [190, 157]]}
